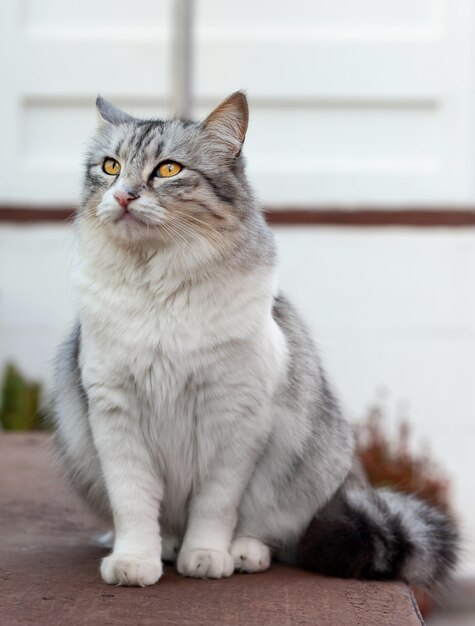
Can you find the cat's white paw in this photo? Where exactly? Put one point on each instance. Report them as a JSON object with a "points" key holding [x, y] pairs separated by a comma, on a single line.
{"points": [[250, 555], [205, 563], [130, 570]]}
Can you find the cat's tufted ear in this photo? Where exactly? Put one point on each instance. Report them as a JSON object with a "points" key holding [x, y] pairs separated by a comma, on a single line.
{"points": [[228, 122], [109, 114]]}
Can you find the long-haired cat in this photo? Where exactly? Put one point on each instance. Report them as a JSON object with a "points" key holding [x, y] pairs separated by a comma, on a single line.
{"points": [[192, 409]]}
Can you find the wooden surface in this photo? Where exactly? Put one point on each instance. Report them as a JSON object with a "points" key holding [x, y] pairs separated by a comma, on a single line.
{"points": [[416, 217], [49, 570]]}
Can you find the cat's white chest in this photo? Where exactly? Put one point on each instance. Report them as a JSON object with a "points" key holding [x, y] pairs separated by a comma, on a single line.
{"points": [[161, 343], [137, 321], [152, 344]]}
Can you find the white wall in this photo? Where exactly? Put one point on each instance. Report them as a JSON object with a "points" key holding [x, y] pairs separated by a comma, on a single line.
{"points": [[392, 308], [354, 101], [55, 57]]}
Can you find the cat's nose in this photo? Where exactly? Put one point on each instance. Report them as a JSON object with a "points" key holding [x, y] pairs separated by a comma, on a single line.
{"points": [[124, 196]]}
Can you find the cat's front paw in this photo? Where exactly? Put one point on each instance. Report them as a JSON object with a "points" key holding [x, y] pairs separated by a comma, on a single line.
{"points": [[202, 563], [130, 570], [250, 555]]}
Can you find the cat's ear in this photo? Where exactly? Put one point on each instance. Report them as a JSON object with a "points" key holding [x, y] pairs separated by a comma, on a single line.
{"points": [[228, 122], [109, 114]]}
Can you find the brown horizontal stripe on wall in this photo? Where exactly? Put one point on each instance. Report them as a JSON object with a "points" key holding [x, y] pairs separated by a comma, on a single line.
{"points": [[374, 217], [31, 215], [377, 216]]}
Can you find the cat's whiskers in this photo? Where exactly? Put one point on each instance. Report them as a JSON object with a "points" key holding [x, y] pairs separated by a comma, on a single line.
{"points": [[209, 233], [194, 235], [197, 220], [197, 235], [173, 234]]}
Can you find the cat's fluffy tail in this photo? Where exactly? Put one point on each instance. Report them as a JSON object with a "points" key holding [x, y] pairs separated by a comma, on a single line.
{"points": [[380, 535]]}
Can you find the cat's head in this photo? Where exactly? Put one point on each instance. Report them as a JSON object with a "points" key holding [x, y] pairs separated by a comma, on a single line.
{"points": [[168, 182]]}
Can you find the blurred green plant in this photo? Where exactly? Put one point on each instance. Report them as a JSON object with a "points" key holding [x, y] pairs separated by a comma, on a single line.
{"points": [[20, 402]]}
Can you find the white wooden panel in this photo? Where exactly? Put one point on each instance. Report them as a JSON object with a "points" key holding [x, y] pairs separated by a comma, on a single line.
{"points": [[349, 184], [362, 49], [336, 64], [300, 69], [382, 95], [355, 15], [87, 14], [55, 59], [330, 134], [83, 68], [367, 134], [293, 150]]}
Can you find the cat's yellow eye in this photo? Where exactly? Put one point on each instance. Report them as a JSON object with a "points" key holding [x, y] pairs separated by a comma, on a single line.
{"points": [[168, 169], [111, 166]]}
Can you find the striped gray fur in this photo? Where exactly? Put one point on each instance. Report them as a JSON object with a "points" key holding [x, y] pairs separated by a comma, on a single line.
{"points": [[192, 408]]}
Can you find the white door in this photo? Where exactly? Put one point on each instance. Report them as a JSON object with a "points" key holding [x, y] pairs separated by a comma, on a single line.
{"points": [[353, 101], [55, 57]]}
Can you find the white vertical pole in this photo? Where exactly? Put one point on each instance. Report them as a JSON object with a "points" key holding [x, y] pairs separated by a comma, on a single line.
{"points": [[182, 57]]}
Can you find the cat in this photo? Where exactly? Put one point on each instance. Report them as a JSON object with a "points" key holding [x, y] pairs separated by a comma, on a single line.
{"points": [[192, 408]]}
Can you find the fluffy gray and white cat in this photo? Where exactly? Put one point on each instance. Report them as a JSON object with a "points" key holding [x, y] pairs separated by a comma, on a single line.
{"points": [[192, 410]]}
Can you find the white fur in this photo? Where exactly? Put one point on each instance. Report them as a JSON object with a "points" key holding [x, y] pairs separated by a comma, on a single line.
{"points": [[192, 408], [250, 555], [142, 329]]}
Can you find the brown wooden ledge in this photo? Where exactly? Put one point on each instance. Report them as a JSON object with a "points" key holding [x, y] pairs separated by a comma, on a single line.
{"points": [[428, 217], [49, 570]]}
